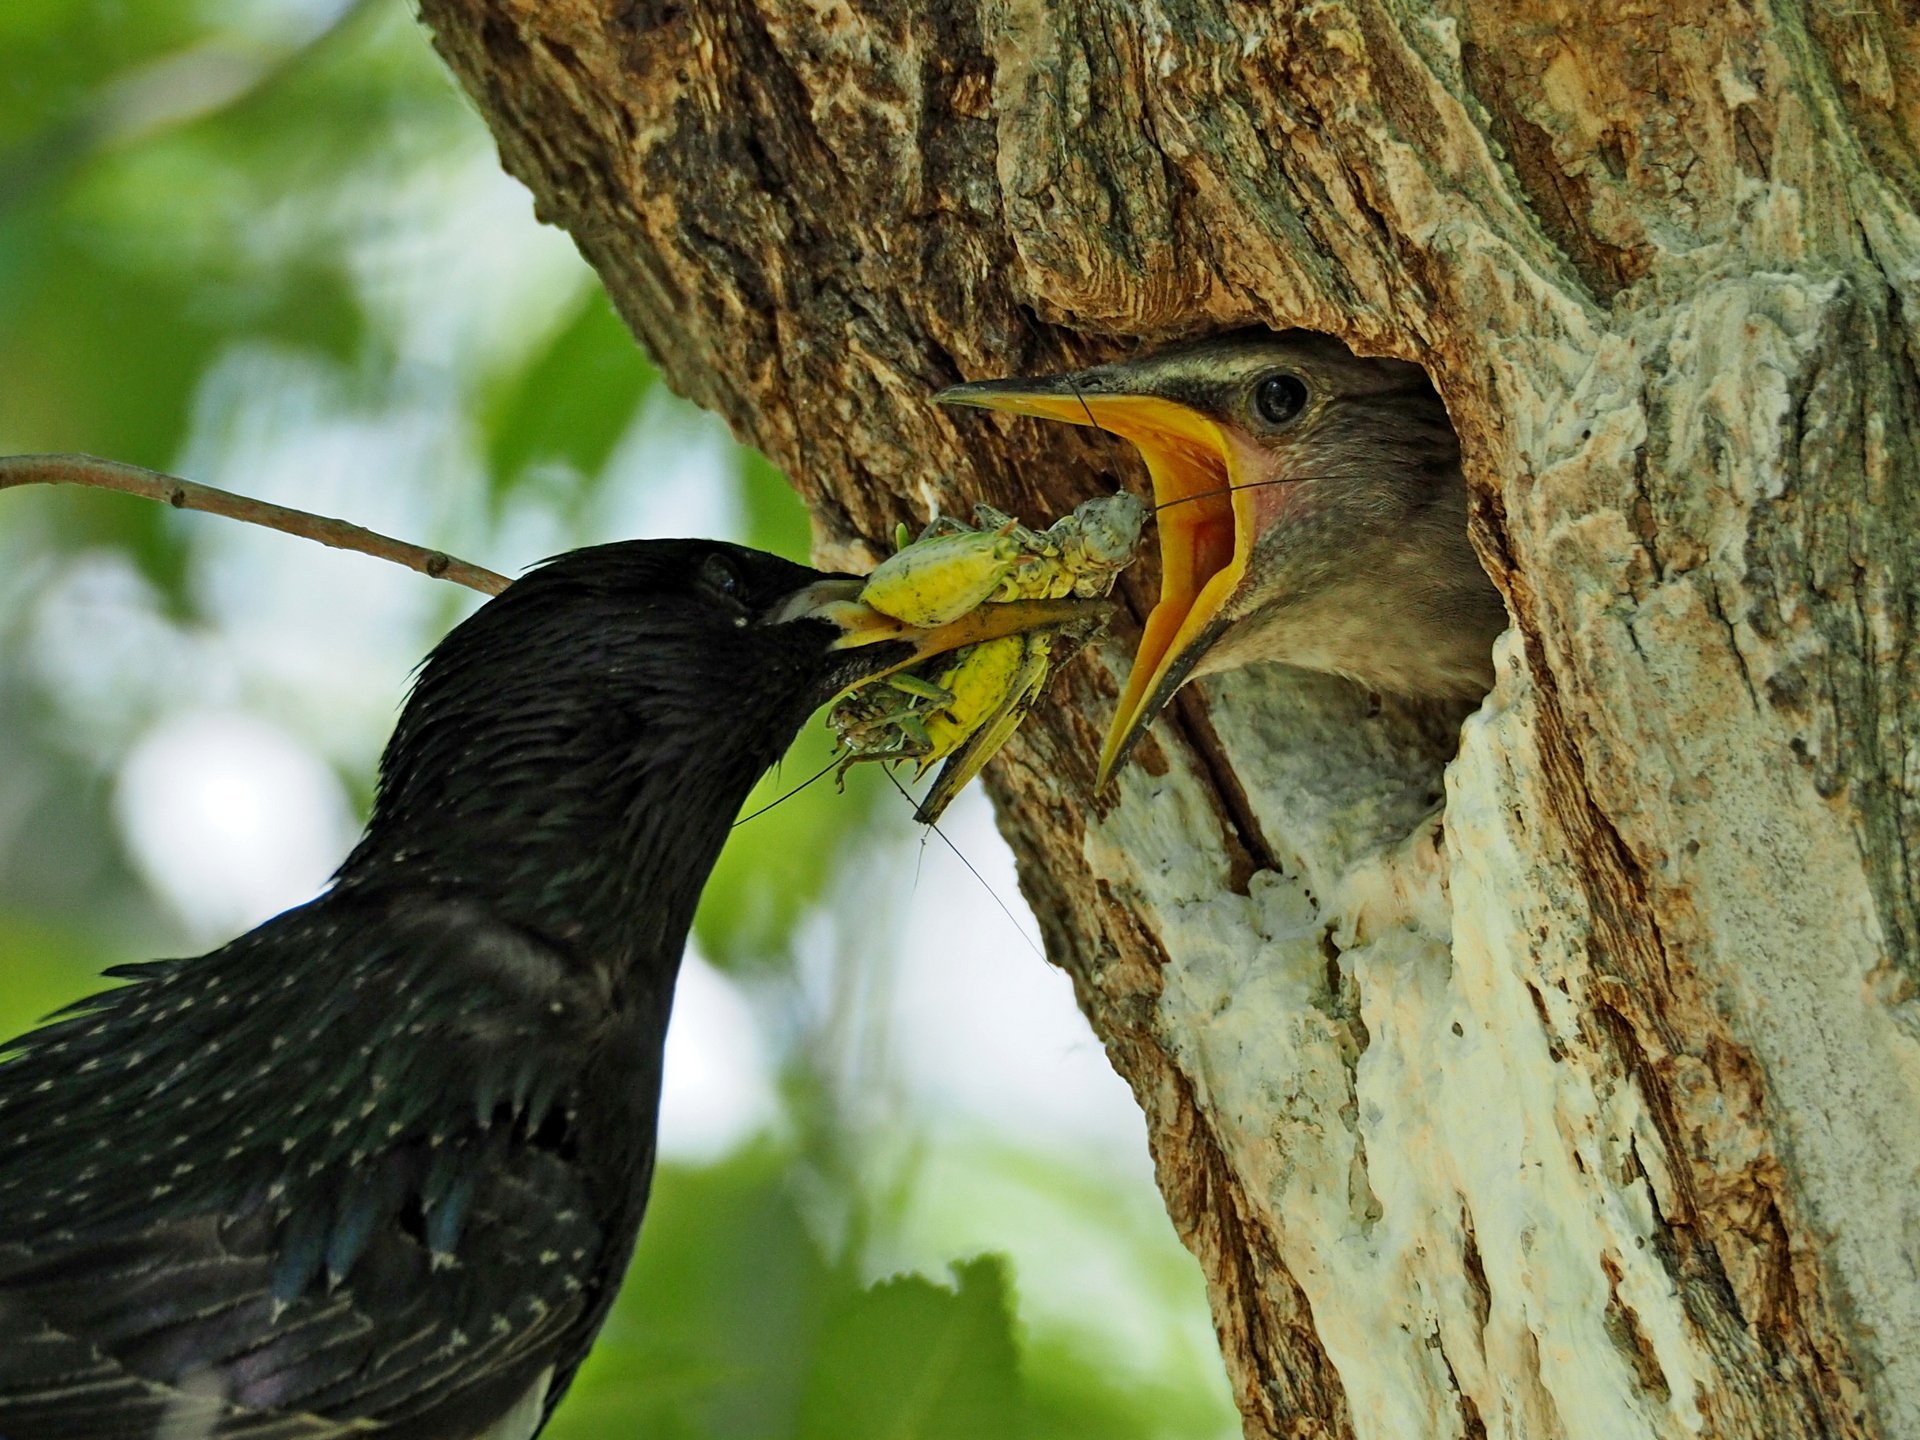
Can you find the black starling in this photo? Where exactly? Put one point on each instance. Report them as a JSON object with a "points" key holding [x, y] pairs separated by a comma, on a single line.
{"points": [[1312, 511], [377, 1166]]}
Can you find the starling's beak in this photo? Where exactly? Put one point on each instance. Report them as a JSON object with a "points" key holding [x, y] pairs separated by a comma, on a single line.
{"points": [[837, 602], [1207, 523]]}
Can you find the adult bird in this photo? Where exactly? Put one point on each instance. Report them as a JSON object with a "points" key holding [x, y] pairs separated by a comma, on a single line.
{"points": [[1312, 511], [377, 1166]]}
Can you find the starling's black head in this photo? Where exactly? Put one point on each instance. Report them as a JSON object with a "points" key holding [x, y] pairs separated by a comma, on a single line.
{"points": [[578, 746], [575, 751]]}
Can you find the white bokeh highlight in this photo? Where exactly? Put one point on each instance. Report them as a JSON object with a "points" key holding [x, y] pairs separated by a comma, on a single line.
{"points": [[230, 819], [718, 1090], [988, 1029]]}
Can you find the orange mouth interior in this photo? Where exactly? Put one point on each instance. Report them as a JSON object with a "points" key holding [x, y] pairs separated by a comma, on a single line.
{"points": [[1206, 529]]}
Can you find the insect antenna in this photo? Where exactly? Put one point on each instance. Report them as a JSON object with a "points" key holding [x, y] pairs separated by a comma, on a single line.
{"points": [[1228, 490], [934, 826], [1027, 317], [1086, 408], [820, 774]]}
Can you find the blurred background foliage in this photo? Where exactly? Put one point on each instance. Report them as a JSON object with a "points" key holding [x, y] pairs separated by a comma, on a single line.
{"points": [[265, 243]]}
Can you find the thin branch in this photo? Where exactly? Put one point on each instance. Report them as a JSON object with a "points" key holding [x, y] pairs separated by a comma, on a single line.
{"points": [[186, 495]]}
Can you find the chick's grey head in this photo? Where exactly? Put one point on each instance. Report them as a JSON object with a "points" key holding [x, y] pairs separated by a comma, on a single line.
{"points": [[1311, 509]]}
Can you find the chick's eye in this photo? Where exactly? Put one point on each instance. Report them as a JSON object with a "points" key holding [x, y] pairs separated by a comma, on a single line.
{"points": [[1279, 399]]}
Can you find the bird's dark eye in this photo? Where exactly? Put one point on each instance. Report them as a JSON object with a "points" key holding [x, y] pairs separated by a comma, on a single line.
{"points": [[1279, 399], [721, 576]]}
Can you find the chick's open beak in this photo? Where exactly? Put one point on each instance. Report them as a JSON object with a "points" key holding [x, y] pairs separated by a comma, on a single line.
{"points": [[1207, 524], [837, 602]]}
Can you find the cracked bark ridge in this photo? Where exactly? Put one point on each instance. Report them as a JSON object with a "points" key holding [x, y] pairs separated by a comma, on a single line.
{"points": [[1592, 1109]]}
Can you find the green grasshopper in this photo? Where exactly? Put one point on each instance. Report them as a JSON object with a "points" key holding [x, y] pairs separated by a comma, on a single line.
{"points": [[961, 708]]}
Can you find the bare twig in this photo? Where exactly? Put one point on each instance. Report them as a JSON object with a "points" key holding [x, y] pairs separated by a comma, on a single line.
{"points": [[100, 474]]}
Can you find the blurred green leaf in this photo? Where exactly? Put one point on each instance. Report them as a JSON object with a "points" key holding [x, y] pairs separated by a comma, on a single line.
{"points": [[1075, 1392], [367, 101], [733, 1325], [910, 1360], [47, 966], [714, 1329], [575, 399], [776, 520], [779, 863], [98, 356], [59, 51], [309, 307]]}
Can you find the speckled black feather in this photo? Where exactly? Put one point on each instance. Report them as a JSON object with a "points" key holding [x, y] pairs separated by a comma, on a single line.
{"points": [[383, 1159]]}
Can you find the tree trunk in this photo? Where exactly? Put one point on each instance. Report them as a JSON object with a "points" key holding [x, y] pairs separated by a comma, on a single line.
{"points": [[1590, 1105]]}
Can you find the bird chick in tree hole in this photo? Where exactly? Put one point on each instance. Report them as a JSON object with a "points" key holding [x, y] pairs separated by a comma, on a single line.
{"points": [[1312, 511]]}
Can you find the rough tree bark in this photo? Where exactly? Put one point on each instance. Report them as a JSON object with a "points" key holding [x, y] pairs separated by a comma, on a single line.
{"points": [[1590, 1108]]}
